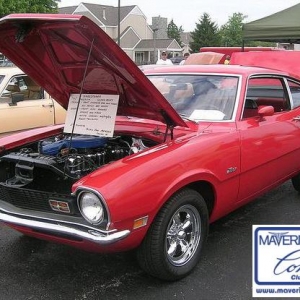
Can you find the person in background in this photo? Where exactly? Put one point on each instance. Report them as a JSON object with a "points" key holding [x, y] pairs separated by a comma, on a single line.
{"points": [[185, 56], [164, 60], [227, 60]]}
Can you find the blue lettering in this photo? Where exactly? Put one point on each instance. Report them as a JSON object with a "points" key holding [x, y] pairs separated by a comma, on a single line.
{"points": [[285, 265]]}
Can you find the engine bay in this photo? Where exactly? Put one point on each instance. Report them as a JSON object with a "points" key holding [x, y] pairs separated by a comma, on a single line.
{"points": [[64, 158]]}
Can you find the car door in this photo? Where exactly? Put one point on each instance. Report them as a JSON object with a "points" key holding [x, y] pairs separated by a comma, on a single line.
{"points": [[269, 144], [23, 105]]}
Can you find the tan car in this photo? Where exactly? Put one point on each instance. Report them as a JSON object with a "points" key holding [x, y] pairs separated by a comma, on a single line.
{"points": [[24, 104]]}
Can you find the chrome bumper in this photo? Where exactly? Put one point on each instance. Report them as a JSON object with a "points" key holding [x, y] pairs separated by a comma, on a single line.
{"points": [[84, 233]]}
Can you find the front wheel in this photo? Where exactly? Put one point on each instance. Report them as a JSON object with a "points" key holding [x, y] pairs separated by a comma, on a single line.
{"points": [[172, 246]]}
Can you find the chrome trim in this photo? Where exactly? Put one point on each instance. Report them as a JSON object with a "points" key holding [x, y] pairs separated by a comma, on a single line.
{"points": [[48, 217], [92, 235], [81, 189], [79, 200]]}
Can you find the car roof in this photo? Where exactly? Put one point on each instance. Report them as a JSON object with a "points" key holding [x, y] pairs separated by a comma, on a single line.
{"points": [[219, 68], [10, 71]]}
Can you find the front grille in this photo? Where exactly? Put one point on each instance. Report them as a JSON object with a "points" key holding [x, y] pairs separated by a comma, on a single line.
{"points": [[35, 200]]}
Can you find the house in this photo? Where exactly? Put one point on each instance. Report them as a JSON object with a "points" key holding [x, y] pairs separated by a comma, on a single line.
{"points": [[138, 39]]}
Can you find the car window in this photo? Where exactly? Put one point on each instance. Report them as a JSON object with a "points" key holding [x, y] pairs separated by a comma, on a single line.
{"points": [[199, 97], [265, 91], [22, 88], [5, 62], [295, 93]]}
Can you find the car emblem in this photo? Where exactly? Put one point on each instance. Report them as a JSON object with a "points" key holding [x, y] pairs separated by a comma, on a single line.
{"points": [[59, 206]]}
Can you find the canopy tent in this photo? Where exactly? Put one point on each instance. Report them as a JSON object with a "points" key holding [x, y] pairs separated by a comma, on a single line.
{"points": [[281, 27]]}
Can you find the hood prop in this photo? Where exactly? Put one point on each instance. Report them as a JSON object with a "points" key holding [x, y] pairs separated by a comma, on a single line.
{"points": [[80, 96]]}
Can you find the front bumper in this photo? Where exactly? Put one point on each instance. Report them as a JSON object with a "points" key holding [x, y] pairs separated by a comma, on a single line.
{"points": [[69, 230]]}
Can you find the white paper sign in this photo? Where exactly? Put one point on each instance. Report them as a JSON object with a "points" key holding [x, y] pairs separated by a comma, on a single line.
{"points": [[96, 114]]}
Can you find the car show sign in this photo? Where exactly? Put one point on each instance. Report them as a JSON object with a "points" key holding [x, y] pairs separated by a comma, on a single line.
{"points": [[276, 261], [92, 114]]}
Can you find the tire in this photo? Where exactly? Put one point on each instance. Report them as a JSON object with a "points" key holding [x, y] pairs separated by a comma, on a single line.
{"points": [[296, 182], [173, 244]]}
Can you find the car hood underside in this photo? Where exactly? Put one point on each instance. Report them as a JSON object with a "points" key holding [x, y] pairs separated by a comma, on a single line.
{"points": [[69, 54]]}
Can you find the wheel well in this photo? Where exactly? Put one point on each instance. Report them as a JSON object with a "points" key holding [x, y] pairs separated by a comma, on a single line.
{"points": [[207, 192]]}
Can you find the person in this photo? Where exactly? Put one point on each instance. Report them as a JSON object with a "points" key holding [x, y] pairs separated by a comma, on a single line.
{"points": [[185, 56], [227, 60], [164, 60]]}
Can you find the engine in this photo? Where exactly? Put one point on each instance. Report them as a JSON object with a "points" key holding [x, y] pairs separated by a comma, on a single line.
{"points": [[65, 158]]}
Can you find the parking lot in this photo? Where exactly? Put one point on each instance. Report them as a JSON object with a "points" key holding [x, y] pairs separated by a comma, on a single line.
{"points": [[33, 269]]}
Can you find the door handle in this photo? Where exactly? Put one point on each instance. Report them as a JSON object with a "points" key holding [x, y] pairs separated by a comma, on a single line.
{"points": [[51, 105]]}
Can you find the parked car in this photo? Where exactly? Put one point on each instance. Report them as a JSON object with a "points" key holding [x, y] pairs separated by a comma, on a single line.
{"points": [[176, 59], [24, 104], [144, 161]]}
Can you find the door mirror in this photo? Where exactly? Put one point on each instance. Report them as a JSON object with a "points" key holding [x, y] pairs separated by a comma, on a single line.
{"points": [[265, 110]]}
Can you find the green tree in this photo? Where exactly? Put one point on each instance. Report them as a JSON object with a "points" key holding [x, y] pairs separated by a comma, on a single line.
{"points": [[174, 32], [28, 6], [206, 34], [231, 32]]}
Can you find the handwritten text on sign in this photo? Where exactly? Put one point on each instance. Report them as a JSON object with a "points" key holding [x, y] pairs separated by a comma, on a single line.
{"points": [[96, 114]]}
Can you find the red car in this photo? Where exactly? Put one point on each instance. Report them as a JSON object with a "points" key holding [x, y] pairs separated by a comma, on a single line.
{"points": [[143, 161]]}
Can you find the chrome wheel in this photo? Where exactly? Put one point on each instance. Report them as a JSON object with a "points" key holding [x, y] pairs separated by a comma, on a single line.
{"points": [[183, 235], [173, 244]]}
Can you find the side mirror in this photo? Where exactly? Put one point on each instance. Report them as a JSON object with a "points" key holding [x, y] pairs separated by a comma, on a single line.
{"points": [[264, 110]]}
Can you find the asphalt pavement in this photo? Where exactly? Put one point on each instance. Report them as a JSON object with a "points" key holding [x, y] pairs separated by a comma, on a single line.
{"points": [[34, 269]]}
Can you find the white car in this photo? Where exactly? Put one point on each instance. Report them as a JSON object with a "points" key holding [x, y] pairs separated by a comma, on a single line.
{"points": [[24, 104]]}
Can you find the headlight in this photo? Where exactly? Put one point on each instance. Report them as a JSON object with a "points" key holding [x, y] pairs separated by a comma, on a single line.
{"points": [[91, 207]]}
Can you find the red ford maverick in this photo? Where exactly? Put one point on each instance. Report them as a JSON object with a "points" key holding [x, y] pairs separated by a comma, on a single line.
{"points": [[145, 161]]}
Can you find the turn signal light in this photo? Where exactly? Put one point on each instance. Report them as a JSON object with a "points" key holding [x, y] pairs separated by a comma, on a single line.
{"points": [[140, 222]]}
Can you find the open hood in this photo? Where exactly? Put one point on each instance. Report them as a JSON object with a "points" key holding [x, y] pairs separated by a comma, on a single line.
{"points": [[69, 54]]}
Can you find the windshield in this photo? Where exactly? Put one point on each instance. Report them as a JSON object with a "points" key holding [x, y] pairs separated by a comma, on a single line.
{"points": [[199, 97]]}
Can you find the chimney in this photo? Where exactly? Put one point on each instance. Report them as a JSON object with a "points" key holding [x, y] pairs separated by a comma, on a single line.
{"points": [[104, 15]]}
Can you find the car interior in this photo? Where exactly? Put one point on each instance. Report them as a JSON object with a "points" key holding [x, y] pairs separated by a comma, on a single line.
{"points": [[265, 92], [21, 88]]}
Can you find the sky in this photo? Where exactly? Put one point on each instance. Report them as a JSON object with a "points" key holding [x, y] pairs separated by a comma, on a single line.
{"points": [[187, 13]]}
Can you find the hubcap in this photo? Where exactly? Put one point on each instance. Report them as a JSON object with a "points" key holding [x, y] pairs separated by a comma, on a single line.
{"points": [[183, 235]]}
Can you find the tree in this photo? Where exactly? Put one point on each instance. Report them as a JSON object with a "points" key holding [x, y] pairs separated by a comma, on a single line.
{"points": [[232, 32], [28, 6], [174, 32], [206, 34]]}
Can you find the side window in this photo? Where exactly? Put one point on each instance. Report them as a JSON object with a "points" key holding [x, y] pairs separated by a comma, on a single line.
{"points": [[265, 91], [12, 87], [295, 93], [22, 88]]}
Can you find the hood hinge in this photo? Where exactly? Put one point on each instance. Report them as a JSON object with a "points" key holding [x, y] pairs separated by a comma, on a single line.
{"points": [[170, 124]]}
